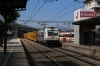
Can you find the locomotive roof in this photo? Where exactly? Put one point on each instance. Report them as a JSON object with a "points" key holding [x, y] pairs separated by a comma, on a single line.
{"points": [[51, 27], [46, 28]]}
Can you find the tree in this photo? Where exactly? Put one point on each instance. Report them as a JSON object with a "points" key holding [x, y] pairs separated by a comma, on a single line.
{"points": [[11, 18]]}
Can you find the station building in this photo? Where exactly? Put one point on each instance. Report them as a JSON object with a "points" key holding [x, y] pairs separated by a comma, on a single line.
{"points": [[87, 24]]}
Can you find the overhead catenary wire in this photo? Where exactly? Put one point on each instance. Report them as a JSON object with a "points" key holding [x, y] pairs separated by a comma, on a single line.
{"points": [[62, 10], [40, 7], [68, 22], [38, 10], [69, 12], [59, 13], [34, 12], [34, 9], [66, 12]]}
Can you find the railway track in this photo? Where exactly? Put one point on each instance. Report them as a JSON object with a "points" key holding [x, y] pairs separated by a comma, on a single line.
{"points": [[40, 58], [86, 59], [62, 56], [31, 59]]}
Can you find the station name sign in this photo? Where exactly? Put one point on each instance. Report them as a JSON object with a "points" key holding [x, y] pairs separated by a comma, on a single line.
{"points": [[81, 14], [86, 14]]}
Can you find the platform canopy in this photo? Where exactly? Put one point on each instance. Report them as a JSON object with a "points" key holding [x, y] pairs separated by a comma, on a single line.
{"points": [[18, 5], [90, 21]]}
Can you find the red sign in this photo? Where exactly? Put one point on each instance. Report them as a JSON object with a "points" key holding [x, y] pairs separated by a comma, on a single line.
{"points": [[86, 14]]}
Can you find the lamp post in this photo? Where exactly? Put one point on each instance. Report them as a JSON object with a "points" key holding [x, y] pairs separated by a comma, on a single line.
{"points": [[9, 5]]}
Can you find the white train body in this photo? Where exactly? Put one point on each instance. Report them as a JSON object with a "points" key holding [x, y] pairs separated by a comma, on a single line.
{"points": [[49, 36], [66, 36]]}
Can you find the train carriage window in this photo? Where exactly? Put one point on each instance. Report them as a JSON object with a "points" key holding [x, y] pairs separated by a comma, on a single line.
{"points": [[55, 31], [65, 35], [60, 35], [71, 35], [52, 32], [41, 34]]}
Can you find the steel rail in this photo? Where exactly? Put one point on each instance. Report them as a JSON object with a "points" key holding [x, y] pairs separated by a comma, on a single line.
{"points": [[46, 55], [29, 52], [74, 56], [86, 55]]}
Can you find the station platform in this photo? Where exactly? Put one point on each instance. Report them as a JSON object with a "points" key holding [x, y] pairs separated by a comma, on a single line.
{"points": [[15, 55], [93, 51]]}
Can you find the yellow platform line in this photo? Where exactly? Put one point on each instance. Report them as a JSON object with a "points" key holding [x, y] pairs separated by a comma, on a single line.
{"points": [[9, 53]]}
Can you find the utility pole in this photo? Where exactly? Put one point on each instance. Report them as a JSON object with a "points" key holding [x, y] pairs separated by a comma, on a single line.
{"points": [[44, 25], [57, 25]]}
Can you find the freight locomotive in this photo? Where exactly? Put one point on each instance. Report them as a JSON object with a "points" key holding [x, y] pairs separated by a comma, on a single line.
{"points": [[48, 36]]}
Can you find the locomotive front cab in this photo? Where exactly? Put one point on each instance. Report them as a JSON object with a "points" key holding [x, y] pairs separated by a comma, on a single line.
{"points": [[51, 36]]}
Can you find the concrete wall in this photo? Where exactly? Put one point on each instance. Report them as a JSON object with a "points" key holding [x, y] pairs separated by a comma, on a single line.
{"points": [[79, 33], [76, 34], [82, 34]]}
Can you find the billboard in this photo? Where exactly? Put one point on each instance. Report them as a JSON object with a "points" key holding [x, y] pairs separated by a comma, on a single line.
{"points": [[82, 14]]}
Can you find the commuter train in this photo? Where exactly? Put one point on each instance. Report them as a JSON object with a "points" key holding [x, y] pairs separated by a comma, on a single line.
{"points": [[66, 36], [48, 36]]}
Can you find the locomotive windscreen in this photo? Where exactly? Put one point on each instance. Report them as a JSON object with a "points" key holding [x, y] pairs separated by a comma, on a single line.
{"points": [[52, 32]]}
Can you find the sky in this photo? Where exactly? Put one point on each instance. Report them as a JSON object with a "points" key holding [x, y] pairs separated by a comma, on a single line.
{"points": [[49, 11]]}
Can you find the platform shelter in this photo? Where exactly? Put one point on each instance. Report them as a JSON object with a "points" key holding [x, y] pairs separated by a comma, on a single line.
{"points": [[86, 31]]}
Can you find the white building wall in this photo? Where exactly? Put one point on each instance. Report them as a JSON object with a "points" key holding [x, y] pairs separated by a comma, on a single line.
{"points": [[76, 34]]}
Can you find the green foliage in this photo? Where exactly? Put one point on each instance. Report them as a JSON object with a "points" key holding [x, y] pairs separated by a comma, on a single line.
{"points": [[11, 16]]}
